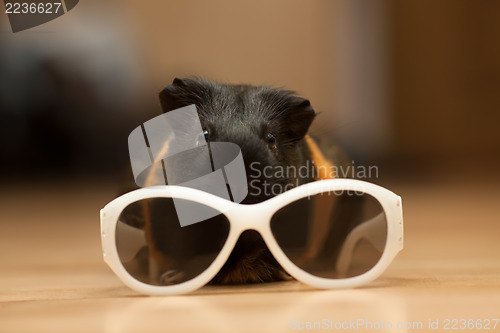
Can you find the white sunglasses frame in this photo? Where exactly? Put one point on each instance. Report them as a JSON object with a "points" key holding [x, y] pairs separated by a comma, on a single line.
{"points": [[254, 217]]}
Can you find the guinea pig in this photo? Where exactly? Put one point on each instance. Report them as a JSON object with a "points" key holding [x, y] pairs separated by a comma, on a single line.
{"points": [[271, 128]]}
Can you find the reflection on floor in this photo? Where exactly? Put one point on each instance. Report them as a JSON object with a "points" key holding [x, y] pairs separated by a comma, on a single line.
{"points": [[53, 278]]}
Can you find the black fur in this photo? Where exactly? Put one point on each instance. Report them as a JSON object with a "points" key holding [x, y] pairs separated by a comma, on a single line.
{"points": [[246, 115]]}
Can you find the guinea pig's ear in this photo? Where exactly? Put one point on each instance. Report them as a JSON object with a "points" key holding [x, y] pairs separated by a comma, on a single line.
{"points": [[299, 116], [171, 97]]}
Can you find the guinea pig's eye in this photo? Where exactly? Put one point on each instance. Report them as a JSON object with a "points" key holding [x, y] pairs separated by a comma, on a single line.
{"points": [[201, 136], [271, 141]]}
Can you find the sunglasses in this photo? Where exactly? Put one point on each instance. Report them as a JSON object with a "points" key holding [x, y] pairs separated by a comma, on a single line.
{"points": [[334, 233]]}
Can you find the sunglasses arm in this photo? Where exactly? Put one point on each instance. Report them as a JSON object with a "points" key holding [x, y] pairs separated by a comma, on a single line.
{"points": [[372, 230]]}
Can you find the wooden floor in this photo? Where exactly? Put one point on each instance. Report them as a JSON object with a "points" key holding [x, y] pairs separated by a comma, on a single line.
{"points": [[53, 279]]}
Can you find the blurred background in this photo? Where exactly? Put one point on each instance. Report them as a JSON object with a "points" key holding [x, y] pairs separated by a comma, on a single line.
{"points": [[411, 86]]}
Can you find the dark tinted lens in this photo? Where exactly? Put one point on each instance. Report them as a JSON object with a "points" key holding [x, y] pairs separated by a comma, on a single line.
{"points": [[332, 235], [155, 249]]}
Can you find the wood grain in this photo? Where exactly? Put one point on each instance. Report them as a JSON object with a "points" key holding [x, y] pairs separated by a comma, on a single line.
{"points": [[53, 279]]}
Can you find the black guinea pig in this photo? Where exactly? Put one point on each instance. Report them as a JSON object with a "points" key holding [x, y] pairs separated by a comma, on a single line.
{"points": [[270, 126]]}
